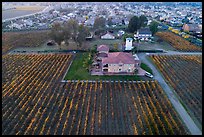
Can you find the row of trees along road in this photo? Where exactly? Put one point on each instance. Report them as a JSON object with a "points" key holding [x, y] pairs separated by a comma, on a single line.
{"points": [[69, 30]]}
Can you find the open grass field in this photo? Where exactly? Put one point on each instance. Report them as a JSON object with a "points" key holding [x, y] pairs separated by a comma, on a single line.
{"points": [[27, 8], [184, 74], [20, 11], [155, 45], [105, 42], [12, 40], [34, 102], [72, 46]]}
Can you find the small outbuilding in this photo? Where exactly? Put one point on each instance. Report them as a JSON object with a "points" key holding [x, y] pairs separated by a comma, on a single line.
{"points": [[144, 34], [128, 44], [103, 49], [108, 35]]}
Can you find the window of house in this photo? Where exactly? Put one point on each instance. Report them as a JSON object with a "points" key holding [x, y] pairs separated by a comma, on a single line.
{"points": [[119, 69]]}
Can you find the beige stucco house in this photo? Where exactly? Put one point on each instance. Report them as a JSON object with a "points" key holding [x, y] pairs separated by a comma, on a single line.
{"points": [[116, 62], [120, 62]]}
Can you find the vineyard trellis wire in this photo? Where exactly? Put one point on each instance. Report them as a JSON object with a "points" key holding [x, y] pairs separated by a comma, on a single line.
{"points": [[38, 103]]}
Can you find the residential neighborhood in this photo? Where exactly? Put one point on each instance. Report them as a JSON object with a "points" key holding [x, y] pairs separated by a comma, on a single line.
{"points": [[120, 13], [170, 16]]}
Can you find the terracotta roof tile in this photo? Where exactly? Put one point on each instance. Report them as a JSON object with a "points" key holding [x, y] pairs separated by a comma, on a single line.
{"points": [[119, 57], [102, 55]]}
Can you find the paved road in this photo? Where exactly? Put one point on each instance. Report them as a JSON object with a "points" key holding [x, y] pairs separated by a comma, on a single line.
{"points": [[177, 53], [175, 102]]}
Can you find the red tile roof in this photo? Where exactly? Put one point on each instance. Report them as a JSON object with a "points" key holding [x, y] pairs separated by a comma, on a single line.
{"points": [[119, 57], [102, 55], [103, 48]]}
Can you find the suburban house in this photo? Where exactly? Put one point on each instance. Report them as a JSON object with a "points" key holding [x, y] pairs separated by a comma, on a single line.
{"points": [[128, 44], [192, 28], [114, 63], [28, 22], [108, 35], [15, 25], [143, 34]]}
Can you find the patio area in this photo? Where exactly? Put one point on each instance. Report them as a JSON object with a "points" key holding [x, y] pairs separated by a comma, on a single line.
{"points": [[141, 72], [96, 69]]}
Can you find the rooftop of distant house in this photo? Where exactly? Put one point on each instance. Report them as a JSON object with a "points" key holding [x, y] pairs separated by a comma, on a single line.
{"points": [[103, 48], [144, 31]]}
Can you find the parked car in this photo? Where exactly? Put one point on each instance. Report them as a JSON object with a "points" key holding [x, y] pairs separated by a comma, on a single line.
{"points": [[148, 75], [50, 43]]}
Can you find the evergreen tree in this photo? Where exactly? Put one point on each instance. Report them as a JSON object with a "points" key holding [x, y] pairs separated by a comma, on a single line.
{"points": [[153, 27], [134, 24], [143, 21]]}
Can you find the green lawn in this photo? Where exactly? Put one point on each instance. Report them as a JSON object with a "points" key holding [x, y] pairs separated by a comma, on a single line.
{"points": [[145, 67], [106, 42], [78, 72], [155, 45]]}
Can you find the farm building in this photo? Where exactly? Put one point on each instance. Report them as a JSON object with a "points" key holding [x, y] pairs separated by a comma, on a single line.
{"points": [[143, 34], [103, 49], [108, 36], [128, 44], [114, 63], [120, 62]]}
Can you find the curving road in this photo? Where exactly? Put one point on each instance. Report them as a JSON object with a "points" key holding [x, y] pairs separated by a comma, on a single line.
{"points": [[194, 130]]}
